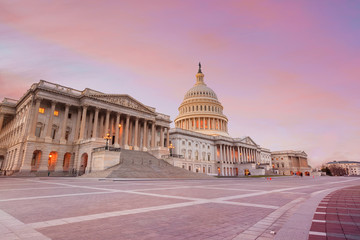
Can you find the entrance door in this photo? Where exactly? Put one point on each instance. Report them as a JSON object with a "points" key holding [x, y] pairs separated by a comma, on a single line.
{"points": [[84, 160]]}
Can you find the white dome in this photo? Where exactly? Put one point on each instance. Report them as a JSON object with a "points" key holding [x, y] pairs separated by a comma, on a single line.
{"points": [[201, 110], [200, 90]]}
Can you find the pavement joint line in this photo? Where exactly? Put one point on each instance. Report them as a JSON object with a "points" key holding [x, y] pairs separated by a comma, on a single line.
{"points": [[271, 218], [39, 188], [319, 221], [245, 204], [317, 233], [341, 208], [18, 228], [52, 196], [340, 214], [62, 221], [332, 221]]}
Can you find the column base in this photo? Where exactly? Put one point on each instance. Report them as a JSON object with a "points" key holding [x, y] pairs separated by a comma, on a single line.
{"points": [[48, 139], [126, 147], [144, 149], [116, 145], [136, 148], [63, 141], [25, 169]]}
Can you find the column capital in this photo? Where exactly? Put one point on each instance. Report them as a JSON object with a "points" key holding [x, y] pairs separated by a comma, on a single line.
{"points": [[67, 105], [38, 99], [85, 106]]}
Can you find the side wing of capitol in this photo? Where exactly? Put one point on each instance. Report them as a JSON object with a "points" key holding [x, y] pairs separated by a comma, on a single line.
{"points": [[200, 141], [54, 128]]}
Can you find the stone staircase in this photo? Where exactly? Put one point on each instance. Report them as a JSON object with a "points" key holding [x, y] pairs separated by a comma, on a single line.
{"points": [[138, 164]]}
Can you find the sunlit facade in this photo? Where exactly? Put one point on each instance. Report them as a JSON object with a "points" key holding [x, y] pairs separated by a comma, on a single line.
{"points": [[53, 128]]}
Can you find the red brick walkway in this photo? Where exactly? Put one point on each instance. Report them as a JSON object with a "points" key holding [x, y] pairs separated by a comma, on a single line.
{"points": [[337, 216]]}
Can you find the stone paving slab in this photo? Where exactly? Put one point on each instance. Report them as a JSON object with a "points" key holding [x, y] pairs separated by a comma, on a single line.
{"points": [[242, 208], [43, 209], [337, 216]]}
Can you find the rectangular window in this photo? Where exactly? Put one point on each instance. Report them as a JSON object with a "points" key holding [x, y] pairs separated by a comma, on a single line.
{"points": [[53, 133], [67, 133], [38, 131], [56, 113], [41, 110], [69, 116]]}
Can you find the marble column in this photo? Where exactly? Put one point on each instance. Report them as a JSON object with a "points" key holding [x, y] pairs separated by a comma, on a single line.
{"points": [[117, 129], [90, 125], [161, 136], [121, 131], [111, 127], [136, 134], [153, 134], [220, 147], [131, 133], [126, 137], [63, 125], [107, 122], [96, 117], [145, 136], [238, 148], [77, 128], [83, 122], [50, 123], [167, 137], [101, 126], [35, 118]]}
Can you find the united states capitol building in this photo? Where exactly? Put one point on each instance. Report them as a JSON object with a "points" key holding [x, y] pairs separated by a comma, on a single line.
{"points": [[201, 140], [54, 128]]}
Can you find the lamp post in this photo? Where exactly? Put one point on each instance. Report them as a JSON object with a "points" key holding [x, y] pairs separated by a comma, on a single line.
{"points": [[171, 147], [107, 138]]}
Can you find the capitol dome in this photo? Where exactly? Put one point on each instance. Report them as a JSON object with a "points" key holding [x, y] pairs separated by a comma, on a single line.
{"points": [[201, 110]]}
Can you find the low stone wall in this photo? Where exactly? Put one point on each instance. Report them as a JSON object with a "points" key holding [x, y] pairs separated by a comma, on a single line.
{"points": [[102, 160]]}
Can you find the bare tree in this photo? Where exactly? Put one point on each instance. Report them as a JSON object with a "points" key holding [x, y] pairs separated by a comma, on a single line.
{"points": [[337, 170]]}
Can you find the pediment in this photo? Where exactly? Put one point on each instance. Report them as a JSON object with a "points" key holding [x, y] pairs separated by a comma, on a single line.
{"points": [[125, 101], [249, 141]]}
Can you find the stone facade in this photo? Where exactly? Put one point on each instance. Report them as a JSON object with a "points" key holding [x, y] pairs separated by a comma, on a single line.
{"points": [[290, 162], [56, 128], [201, 143]]}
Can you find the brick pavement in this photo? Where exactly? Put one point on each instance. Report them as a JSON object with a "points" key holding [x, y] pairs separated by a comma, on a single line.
{"points": [[337, 216], [73, 208]]}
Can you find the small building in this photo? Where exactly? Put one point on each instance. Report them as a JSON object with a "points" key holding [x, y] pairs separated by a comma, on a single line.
{"points": [[351, 167], [290, 162]]}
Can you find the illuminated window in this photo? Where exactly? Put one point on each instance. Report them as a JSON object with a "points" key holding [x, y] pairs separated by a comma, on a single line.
{"points": [[56, 113], [41, 110]]}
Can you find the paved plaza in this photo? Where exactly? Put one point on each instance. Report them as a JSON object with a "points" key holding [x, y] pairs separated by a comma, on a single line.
{"points": [[241, 208]]}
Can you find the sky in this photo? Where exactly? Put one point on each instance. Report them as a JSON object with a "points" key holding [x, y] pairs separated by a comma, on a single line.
{"points": [[286, 72]]}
